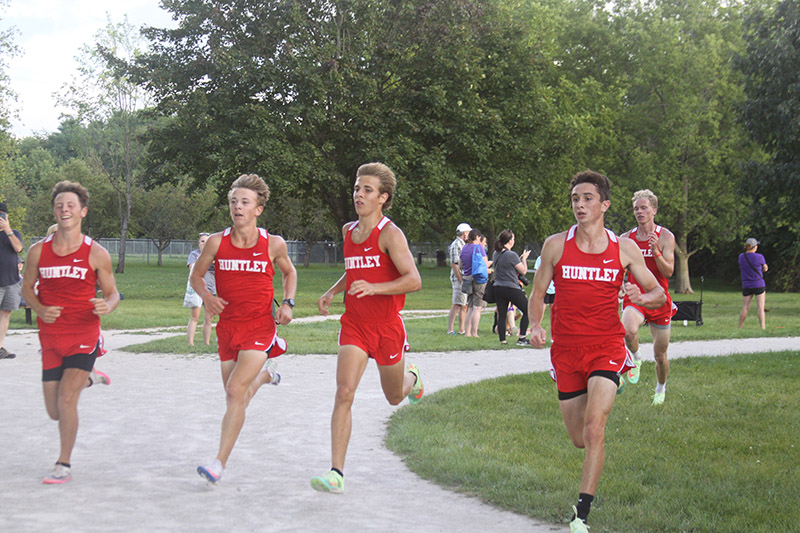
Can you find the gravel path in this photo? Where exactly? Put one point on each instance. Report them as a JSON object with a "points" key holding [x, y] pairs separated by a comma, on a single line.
{"points": [[142, 437]]}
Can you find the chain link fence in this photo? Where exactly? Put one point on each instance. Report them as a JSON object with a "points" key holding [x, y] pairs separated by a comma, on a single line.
{"points": [[324, 252]]}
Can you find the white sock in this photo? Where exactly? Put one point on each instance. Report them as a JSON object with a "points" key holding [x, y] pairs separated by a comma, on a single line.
{"points": [[636, 355], [661, 388]]}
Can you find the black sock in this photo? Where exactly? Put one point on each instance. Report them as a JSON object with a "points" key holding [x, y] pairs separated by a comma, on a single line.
{"points": [[584, 505], [63, 464], [338, 471]]}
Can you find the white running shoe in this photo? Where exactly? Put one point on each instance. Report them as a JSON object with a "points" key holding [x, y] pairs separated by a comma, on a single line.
{"points": [[271, 366], [58, 475], [212, 473]]}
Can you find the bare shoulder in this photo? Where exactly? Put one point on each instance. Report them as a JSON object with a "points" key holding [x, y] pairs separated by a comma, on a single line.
{"points": [[35, 248], [98, 250], [99, 256], [555, 240], [348, 226], [553, 248], [629, 251], [626, 235], [666, 235], [392, 235], [277, 239]]}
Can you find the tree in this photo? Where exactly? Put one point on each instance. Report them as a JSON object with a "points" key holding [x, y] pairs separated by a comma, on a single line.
{"points": [[680, 136], [771, 114], [168, 212], [446, 93], [110, 106]]}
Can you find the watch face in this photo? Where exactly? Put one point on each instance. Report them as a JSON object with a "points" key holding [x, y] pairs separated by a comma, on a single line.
{"points": [[289, 301]]}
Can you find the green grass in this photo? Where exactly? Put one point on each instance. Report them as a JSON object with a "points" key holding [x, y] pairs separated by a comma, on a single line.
{"points": [[720, 455], [154, 299]]}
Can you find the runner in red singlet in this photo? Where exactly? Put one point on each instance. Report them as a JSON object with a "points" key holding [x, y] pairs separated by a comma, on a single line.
{"points": [[68, 267], [657, 245], [379, 272], [244, 257], [588, 355]]}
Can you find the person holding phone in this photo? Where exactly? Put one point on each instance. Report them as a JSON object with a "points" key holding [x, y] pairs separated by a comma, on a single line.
{"points": [[10, 247]]}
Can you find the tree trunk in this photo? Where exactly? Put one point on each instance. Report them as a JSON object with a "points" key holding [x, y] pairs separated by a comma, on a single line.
{"points": [[683, 283], [307, 258], [123, 234], [161, 246]]}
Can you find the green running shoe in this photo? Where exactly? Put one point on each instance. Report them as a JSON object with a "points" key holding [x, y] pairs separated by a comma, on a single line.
{"points": [[658, 398], [621, 386], [415, 396], [330, 482], [633, 373], [577, 525]]}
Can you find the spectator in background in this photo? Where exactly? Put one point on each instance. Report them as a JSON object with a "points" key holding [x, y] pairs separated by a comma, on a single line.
{"points": [[752, 266], [193, 301], [507, 268], [476, 275], [10, 246], [459, 298]]}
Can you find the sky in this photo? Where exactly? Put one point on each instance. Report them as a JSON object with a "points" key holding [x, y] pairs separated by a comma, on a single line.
{"points": [[49, 36]]}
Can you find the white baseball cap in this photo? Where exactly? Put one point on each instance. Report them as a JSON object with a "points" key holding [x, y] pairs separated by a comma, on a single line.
{"points": [[463, 227]]}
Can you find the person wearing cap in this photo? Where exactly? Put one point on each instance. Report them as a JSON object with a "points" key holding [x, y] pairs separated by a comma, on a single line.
{"points": [[753, 266], [459, 298], [10, 247]]}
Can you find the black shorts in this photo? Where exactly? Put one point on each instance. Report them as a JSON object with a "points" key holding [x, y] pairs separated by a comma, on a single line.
{"points": [[81, 361], [549, 298], [757, 290]]}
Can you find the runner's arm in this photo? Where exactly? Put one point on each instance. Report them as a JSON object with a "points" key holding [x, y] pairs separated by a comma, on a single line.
{"points": [[663, 248], [48, 314], [100, 260], [551, 252], [631, 258], [214, 304], [279, 254]]}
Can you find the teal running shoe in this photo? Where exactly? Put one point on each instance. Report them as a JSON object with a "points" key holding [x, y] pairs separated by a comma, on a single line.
{"points": [[330, 482], [633, 373], [577, 525], [659, 397], [415, 396]]}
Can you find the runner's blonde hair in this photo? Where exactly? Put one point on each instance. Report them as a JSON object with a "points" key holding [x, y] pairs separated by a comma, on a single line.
{"points": [[255, 184], [646, 193]]}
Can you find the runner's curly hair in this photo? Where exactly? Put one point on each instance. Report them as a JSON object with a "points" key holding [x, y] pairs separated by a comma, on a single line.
{"points": [[70, 186]]}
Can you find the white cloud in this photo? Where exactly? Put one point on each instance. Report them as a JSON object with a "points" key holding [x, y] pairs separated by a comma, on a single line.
{"points": [[50, 34]]}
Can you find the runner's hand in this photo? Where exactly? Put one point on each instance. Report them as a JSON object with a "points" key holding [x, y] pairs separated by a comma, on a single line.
{"points": [[360, 288], [634, 293], [324, 303], [214, 304], [100, 306], [284, 314], [51, 313], [538, 337]]}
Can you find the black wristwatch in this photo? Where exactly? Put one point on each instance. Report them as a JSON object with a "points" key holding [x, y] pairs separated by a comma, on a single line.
{"points": [[289, 302]]}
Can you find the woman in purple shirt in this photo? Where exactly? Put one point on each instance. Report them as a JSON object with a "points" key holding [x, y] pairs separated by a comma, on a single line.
{"points": [[752, 265]]}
